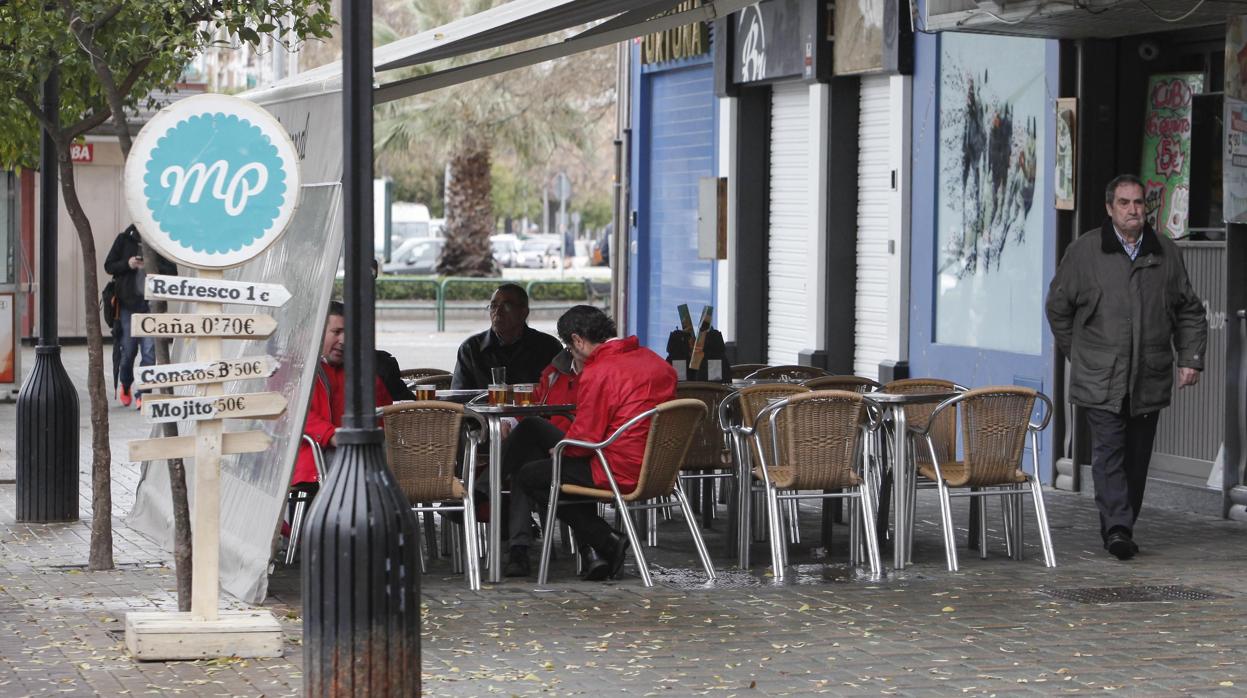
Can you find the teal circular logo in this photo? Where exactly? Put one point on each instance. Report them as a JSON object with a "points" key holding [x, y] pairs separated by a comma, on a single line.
{"points": [[212, 181]]}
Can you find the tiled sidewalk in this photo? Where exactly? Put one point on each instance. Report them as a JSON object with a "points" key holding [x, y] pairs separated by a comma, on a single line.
{"points": [[995, 628]]}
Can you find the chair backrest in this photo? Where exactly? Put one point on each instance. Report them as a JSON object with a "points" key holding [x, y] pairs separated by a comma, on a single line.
{"points": [[821, 434], [994, 422], [410, 373], [944, 431], [672, 430], [708, 449], [440, 381], [790, 372], [754, 399], [422, 439], [742, 370], [855, 384]]}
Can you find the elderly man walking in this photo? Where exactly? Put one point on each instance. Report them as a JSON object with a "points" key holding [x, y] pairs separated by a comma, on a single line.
{"points": [[1119, 306]]}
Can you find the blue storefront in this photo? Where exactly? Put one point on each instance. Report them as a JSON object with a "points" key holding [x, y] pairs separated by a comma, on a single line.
{"points": [[984, 226], [674, 118]]}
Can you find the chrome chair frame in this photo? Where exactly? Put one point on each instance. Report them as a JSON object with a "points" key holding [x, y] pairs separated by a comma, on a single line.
{"points": [[1013, 519], [302, 501], [621, 506]]}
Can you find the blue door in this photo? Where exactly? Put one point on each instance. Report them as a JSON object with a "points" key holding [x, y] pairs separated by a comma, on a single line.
{"points": [[675, 115]]}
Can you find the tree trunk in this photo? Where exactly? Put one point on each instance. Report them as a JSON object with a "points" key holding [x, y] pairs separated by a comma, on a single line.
{"points": [[101, 555], [182, 550], [469, 216]]}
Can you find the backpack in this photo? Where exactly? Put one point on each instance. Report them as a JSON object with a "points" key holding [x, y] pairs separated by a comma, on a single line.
{"points": [[108, 303]]}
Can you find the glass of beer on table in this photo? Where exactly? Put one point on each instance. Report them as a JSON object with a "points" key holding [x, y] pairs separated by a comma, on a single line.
{"points": [[426, 391], [498, 394], [523, 394]]}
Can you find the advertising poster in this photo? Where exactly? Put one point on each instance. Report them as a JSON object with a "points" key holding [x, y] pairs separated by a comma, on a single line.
{"points": [[1166, 167], [993, 111], [8, 339], [1066, 127], [1234, 154]]}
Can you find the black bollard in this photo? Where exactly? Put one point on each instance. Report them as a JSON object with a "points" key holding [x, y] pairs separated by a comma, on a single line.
{"points": [[361, 574], [47, 406]]}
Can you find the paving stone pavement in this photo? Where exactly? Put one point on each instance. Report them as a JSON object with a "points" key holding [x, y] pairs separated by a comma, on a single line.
{"points": [[991, 629]]}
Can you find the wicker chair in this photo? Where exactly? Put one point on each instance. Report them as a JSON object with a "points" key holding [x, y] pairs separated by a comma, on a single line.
{"points": [[301, 500], [995, 422], [821, 437], [746, 403], [742, 370], [789, 372], [409, 374], [673, 426], [441, 380], [421, 439], [709, 458], [853, 384]]}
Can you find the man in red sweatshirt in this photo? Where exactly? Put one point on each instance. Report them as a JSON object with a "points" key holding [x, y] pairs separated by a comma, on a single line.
{"points": [[324, 414], [620, 380]]}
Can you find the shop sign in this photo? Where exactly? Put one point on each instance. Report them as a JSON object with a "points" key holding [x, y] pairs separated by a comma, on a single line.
{"points": [[1166, 166], [196, 373], [772, 41], [681, 42], [82, 153], [177, 288], [195, 409], [212, 181], [202, 325]]}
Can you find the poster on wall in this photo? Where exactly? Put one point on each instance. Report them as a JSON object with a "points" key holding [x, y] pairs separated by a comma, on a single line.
{"points": [[860, 35], [8, 339], [1066, 127], [1234, 155], [993, 112], [1166, 166]]}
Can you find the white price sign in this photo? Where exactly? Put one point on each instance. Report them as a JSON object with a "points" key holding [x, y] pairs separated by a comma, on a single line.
{"points": [[148, 377], [198, 409], [181, 288], [224, 326]]}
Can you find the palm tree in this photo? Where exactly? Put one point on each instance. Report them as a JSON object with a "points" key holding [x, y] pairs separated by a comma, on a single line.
{"points": [[526, 113]]}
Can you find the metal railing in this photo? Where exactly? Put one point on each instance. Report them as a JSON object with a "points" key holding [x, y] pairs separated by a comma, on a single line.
{"points": [[442, 285]]}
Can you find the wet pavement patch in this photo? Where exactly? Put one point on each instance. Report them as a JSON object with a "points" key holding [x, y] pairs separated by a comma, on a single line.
{"points": [[731, 578], [1133, 594]]}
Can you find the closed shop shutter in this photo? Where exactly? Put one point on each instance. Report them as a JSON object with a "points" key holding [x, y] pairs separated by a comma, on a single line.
{"points": [[679, 146], [874, 201], [791, 262]]}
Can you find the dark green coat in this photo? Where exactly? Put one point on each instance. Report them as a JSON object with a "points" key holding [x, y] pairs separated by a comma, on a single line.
{"points": [[1120, 322]]}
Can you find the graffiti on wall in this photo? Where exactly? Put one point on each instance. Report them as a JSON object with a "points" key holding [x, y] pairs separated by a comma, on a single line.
{"points": [[1166, 166], [993, 114], [993, 172]]}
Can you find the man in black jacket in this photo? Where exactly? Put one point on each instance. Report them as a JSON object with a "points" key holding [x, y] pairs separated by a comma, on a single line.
{"points": [[125, 263], [508, 343], [1120, 306]]}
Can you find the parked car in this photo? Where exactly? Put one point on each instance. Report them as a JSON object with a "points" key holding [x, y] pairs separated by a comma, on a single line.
{"points": [[506, 248], [539, 252], [415, 256]]}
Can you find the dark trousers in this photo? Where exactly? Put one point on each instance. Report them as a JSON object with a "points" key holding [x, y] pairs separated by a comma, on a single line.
{"points": [[534, 480], [530, 440], [1121, 449]]}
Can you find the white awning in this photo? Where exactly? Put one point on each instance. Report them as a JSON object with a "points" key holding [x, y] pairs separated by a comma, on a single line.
{"points": [[515, 21]]}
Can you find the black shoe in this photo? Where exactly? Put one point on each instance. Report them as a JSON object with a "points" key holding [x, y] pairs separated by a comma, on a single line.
{"points": [[1119, 545], [517, 562], [596, 568], [620, 554]]}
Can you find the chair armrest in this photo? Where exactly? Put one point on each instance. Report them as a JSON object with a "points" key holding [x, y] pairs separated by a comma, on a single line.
{"points": [[318, 457]]}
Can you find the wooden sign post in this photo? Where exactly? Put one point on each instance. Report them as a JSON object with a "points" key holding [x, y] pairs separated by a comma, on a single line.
{"points": [[210, 207]]}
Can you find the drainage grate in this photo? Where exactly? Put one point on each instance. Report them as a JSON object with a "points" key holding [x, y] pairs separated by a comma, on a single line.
{"points": [[1133, 594]]}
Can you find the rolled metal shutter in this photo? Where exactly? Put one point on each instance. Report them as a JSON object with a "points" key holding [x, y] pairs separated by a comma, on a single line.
{"points": [[790, 263], [874, 201]]}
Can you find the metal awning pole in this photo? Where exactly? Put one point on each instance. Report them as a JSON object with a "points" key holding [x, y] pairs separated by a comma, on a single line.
{"points": [[361, 575]]}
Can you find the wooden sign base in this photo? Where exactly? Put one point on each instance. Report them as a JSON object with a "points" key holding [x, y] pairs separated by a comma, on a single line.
{"points": [[168, 635]]}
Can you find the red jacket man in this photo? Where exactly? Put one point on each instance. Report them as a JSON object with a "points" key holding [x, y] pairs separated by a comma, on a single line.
{"points": [[557, 386], [324, 414], [621, 380]]}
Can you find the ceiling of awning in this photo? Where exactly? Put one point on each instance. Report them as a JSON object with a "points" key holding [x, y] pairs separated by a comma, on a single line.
{"points": [[500, 27], [1093, 19]]}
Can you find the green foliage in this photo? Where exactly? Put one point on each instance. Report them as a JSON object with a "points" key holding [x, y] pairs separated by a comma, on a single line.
{"points": [[595, 212], [143, 45], [515, 195]]}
